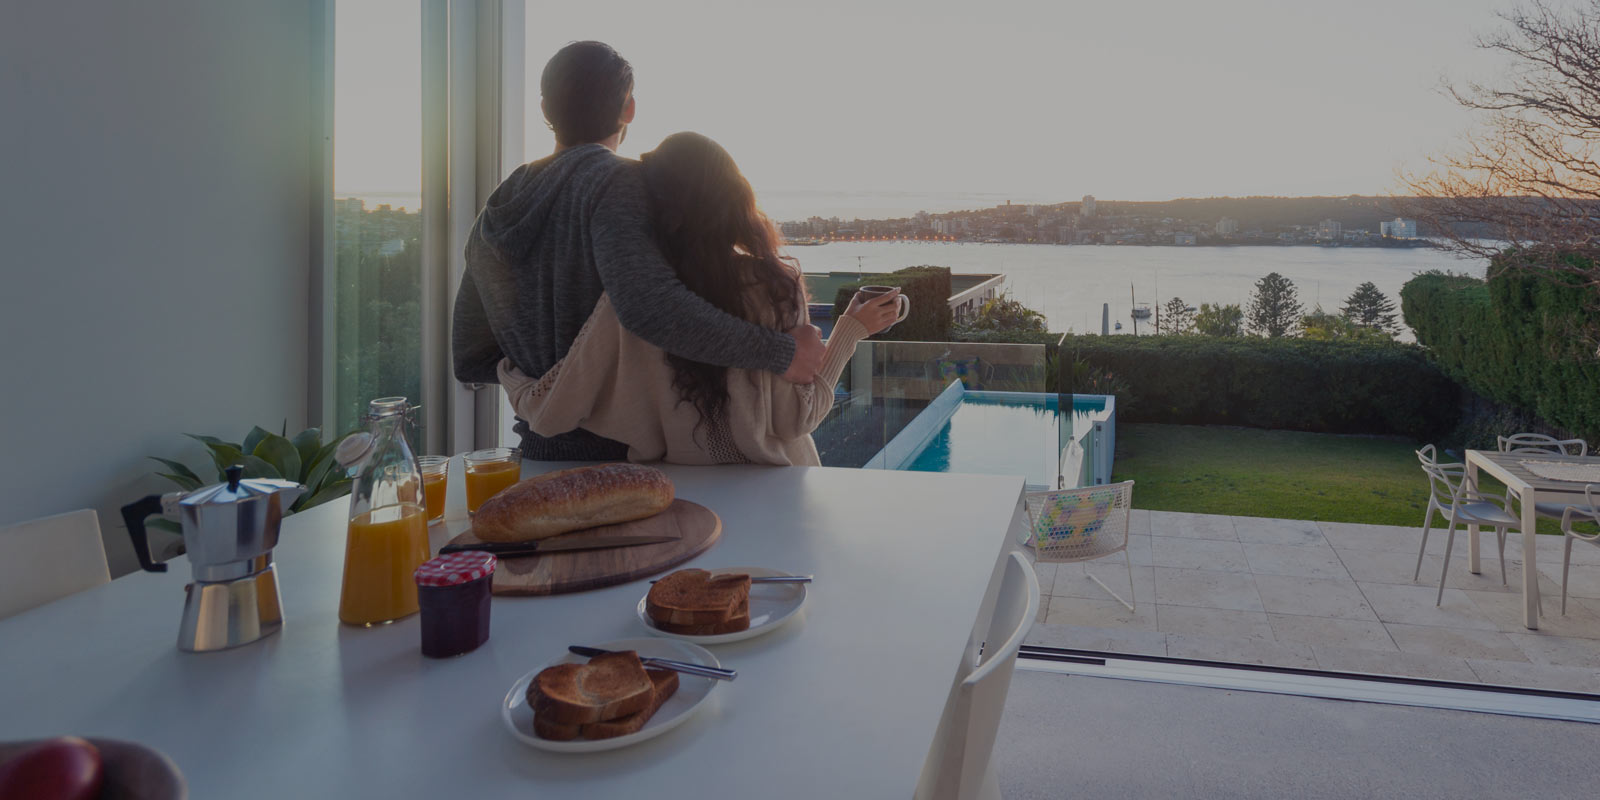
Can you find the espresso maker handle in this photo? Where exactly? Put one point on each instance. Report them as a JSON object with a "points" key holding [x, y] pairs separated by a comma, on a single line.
{"points": [[133, 515]]}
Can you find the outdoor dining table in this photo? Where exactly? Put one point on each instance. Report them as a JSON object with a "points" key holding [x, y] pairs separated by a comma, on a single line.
{"points": [[843, 701], [1511, 470]]}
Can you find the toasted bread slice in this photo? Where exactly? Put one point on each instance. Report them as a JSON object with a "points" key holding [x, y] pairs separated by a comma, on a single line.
{"points": [[555, 731], [696, 597], [609, 686], [738, 623], [665, 683]]}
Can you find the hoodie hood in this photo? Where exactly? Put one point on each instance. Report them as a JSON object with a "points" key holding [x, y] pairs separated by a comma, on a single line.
{"points": [[515, 214]]}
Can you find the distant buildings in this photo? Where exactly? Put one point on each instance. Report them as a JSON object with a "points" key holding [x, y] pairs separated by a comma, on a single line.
{"points": [[1329, 230], [1227, 226], [1087, 209], [1398, 228], [1182, 238]]}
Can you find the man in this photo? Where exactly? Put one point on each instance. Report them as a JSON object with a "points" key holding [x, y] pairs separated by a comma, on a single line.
{"points": [[562, 230]]}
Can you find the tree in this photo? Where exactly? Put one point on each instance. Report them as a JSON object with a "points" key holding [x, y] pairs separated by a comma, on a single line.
{"points": [[1274, 307], [1220, 320], [1323, 326], [1004, 314], [1526, 185], [1175, 317], [1369, 308]]}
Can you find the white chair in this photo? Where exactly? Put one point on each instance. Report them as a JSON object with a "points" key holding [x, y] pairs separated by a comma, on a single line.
{"points": [[1573, 512], [1537, 444], [959, 765], [1448, 494], [1083, 524], [47, 559]]}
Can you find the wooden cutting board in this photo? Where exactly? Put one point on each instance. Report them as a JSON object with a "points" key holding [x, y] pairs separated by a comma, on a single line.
{"points": [[694, 527]]}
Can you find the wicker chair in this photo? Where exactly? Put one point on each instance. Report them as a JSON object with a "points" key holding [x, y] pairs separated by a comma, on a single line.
{"points": [[1083, 524]]}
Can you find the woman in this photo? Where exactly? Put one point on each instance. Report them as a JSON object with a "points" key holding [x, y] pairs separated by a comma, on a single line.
{"points": [[667, 408]]}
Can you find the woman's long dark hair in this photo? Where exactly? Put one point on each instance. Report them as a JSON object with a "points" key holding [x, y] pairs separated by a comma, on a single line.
{"points": [[710, 230]]}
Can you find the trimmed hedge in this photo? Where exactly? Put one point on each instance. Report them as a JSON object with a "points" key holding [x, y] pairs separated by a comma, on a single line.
{"points": [[929, 290], [1288, 384], [1518, 339]]}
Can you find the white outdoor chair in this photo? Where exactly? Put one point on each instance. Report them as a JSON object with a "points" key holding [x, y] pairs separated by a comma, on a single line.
{"points": [[49, 558], [1573, 512], [1083, 524], [959, 765], [1448, 494], [1538, 443]]}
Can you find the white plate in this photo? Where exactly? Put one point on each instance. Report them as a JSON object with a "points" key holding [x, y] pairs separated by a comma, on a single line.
{"points": [[692, 693], [771, 605]]}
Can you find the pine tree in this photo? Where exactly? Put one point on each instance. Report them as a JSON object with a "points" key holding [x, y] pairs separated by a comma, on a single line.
{"points": [[1176, 317], [1274, 307], [1369, 308]]}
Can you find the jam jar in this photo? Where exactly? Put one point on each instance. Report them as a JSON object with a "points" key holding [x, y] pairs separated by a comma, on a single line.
{"points": [[453, 593]]}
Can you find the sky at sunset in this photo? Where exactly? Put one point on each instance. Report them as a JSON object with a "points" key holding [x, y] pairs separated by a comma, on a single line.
{"points": [[1147, 100]]}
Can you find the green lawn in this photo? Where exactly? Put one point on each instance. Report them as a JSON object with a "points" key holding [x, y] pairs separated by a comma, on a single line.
{"points": [[1283, 474]]}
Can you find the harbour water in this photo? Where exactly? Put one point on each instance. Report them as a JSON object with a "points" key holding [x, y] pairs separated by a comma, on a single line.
{"points": [[1068, 284]]}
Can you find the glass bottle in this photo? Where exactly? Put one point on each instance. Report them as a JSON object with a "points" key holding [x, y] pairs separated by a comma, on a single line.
{"points": [[388, 535]]}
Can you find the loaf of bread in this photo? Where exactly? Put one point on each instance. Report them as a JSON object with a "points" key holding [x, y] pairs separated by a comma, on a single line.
{"points": [[572, 499]]}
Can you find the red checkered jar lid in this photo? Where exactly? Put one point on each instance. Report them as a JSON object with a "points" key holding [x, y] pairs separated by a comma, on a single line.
{"points": [[456, 568]]}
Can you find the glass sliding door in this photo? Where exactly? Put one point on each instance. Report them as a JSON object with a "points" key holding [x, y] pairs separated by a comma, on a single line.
{"points": [[376, 270]]}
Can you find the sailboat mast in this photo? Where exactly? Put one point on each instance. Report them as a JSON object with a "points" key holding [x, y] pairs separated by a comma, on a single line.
{"points": [[1133, 304]]}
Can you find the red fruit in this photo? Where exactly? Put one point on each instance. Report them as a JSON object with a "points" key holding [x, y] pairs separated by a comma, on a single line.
{"points": [[67, 768]]}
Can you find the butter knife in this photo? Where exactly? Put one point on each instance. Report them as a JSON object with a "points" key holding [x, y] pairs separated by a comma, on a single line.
{"points": [[554, 545], [685, 667]]}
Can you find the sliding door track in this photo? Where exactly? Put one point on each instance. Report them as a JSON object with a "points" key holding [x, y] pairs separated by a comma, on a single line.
{"points": [[1395, 690]]}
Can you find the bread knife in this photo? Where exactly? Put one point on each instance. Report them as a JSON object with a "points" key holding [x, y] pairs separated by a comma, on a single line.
{"points": [[685, 667], [555, 545]]}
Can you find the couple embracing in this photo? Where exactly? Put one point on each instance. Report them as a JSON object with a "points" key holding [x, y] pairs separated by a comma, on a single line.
{"points": [[640, 310]]}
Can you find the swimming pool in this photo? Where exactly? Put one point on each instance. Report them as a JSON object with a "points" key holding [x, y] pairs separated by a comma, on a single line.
{"points": [[1008, 433]]}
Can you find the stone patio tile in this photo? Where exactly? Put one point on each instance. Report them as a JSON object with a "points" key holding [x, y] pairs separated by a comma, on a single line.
{"points": [[1139, 549], [1111, 640], [1546, 648], [1219, 622], [1550, 552], [1072, 580], [1329, 632], [1263, 530], [1411, 665], [1207, 589], [1455, 642], [1538, 676], [1378, 566], [1311, 597], [1298, 560], [1504, 611], [1192, 526], [1413, 605], [1199, 554], [1240, 651], [1139, 522], [1583, 579], [1106, 613], [1383, 538]]}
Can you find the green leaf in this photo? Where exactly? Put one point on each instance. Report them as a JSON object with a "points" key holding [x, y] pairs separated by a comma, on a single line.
{"points": [[281, 454], [181, 470], [333, 491], [184, 483], [320, 474], [257, 467], [308, 442], [252, 440], [225, 455], [211, 440]]}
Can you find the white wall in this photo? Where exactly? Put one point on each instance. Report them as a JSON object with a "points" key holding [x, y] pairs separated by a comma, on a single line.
{"points": [[155, 189]]}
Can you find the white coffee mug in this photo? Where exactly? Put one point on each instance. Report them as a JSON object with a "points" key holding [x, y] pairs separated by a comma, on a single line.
{"points": [[872, 292]]}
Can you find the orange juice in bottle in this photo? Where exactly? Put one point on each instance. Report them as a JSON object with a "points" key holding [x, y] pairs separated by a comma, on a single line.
{"points": [[387, 538], [489, 472]]}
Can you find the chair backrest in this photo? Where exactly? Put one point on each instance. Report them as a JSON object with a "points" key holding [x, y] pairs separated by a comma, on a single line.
{"points": [[962, 748], [47, 559], [1444, 480], [1083, 523], [1540, 443]]}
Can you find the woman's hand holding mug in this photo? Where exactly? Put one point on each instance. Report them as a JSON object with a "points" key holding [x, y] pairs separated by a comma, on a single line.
{"points": [[878, 308]]}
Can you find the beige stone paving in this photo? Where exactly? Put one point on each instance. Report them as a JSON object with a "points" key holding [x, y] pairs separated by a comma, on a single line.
{"points": [[1335, 596]]}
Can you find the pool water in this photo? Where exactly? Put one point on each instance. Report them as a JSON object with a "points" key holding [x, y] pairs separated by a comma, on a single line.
{"points": [[1015, 434]]}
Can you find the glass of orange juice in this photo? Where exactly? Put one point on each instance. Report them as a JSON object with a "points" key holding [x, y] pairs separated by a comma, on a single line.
{"points": [[435, 476], [490, 471]]}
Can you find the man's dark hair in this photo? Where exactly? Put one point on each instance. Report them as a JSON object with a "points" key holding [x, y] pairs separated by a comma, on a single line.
{"points": [[585, 86]]}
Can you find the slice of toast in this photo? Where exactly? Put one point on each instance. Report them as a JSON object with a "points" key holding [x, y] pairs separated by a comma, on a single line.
{"points": [[740, 622], [664, 683], [609, 686], [696, 597]]}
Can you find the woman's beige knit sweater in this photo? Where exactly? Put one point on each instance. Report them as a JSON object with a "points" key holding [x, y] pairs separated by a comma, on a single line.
{"points": [[615, 384]]}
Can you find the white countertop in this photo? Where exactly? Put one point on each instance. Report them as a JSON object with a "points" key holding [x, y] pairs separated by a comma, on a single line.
{"points": [[842, 702]]}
